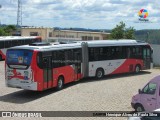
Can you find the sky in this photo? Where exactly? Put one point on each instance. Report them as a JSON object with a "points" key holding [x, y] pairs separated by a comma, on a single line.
{"points": [[92, 14]]}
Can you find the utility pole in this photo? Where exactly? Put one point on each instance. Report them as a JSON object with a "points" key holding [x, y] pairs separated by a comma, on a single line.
{"points": [[147, 40], [19, 14]]}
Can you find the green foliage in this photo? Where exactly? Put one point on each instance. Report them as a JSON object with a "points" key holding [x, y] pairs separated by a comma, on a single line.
{"points": [[7, 30], [121, 32], [118, 31], [129, 33]]}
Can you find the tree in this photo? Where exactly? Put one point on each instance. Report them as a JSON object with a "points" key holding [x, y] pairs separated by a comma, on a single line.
{"points": [[2, 32], [121, 32], [129, 33], [7, 30], [118, 31]]}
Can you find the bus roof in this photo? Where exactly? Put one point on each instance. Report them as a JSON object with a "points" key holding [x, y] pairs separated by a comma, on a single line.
{"points": [[49, 47], [122, 42], [3, 38], [97, 43]]}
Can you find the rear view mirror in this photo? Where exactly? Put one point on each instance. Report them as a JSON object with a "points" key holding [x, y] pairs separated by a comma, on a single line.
{"points": [[139, 91]]}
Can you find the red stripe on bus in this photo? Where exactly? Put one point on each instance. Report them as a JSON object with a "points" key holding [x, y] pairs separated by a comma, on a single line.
{"points": [[128, 66]]}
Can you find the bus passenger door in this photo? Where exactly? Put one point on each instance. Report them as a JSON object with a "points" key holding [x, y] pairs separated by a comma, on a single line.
{"points": [[47, 72], [146, 58], [77, 63]]}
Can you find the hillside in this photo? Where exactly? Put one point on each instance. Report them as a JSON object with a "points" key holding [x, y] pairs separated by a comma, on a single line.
{"points": [[152, 36]]}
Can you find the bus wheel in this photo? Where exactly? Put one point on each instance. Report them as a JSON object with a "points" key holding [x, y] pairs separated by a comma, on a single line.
{"points": [[99, 73], [139, 108], [60, 83], [137, 69]]}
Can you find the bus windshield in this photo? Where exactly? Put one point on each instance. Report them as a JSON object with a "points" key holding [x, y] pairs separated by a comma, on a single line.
{"points": [[19, 57]]}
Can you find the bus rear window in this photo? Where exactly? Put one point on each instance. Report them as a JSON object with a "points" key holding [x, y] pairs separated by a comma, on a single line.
{"points": [[20, 57]]}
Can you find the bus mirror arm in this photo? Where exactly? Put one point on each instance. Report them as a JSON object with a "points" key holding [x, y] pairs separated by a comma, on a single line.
{"points": [[139, 91]]}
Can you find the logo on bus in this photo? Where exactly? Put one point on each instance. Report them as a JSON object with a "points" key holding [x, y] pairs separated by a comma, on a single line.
{"points": [[143, 14], [20, 59]]}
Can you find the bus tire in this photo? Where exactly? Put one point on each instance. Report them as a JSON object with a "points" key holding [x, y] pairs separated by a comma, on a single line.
{"points": [[139, 108], [99, 73], [60, 83], [137, 68]]}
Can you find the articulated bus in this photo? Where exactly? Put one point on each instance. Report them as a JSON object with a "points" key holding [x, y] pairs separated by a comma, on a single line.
{"points": [[40, 66], [11, 41]]}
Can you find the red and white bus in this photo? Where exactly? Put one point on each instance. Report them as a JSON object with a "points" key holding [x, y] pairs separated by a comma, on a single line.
{"points": [[10, 41], [41, 66]]}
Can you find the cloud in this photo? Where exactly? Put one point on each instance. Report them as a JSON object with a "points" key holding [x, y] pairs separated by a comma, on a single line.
{"points": [[87, 13]]}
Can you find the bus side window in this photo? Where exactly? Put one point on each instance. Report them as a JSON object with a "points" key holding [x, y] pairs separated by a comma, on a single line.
{"points": [[66, 52], [14, 43], [139, 52], [39, 40], [28, 41], [45, 62], [19, 42], [128, 52], [58, 58], [104, 53], [96, 54], [1, 44], [54, 59], [131, 52], [124, 52], [135, 52], [8, 44], [91, 54], [39, 60], [11, 43], [61, 57], [117, 52], [69, 57], [79, 52], [107, 51], [148, 52], [33, 40], [113, 53], [23, 42]]}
